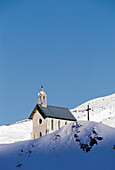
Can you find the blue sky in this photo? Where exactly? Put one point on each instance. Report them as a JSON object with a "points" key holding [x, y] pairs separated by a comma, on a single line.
{"points": [[68, 46]]}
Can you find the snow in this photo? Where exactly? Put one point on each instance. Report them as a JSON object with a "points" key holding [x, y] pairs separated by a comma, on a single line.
{"points": [[79, 145], [18, 131], [102, 110], [82, 145], [41, 92]]}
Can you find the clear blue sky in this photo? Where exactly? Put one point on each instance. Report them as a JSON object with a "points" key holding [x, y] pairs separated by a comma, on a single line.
{"points": [[68, 46]]}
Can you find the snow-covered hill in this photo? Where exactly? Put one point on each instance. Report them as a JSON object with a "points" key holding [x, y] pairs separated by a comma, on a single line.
{"points": [[14, 132], [82, 145], [102, 110]]}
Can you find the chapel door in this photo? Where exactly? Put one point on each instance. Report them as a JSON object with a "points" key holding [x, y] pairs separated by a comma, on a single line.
{"points": [[40, 134]]}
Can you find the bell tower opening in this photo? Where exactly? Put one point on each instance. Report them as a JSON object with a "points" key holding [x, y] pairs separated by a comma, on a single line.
{"points": [[42, 98]]}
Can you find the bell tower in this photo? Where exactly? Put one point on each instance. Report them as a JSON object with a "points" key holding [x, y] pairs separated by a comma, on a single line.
{"points": [[42, 98]]}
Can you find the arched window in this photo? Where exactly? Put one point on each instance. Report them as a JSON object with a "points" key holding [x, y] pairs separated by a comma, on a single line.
{"points": [[59, 124], [52, 124], [43, 99], [47, 131], [40, 121]]}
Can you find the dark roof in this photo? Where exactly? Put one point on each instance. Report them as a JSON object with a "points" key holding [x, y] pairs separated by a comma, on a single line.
{"points": [[53, 112]]}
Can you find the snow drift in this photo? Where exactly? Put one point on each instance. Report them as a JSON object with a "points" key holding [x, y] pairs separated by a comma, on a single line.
{"points": [[82, 145], [15, 132]]}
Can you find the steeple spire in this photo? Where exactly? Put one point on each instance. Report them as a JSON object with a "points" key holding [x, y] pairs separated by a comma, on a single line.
{"points": [[42, 98]]}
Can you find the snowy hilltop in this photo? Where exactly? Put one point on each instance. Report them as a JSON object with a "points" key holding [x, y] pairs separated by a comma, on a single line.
{"points": [[18, 131], [79, 145], [102, 110]]}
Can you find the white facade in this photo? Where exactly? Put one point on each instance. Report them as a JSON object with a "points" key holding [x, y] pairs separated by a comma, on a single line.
{"points": [[43, 126]]}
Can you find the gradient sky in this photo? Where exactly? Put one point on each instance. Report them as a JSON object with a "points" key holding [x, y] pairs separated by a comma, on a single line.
{"points": [[68, 46]]}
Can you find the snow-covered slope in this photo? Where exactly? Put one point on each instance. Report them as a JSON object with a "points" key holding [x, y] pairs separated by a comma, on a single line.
{"points": [[102, 110], [18, 131], [82, 145]]}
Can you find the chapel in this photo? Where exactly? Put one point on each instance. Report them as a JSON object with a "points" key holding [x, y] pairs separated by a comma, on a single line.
{"points": [[47, 118]]}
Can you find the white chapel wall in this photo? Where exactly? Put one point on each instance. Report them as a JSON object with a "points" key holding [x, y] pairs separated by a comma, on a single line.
{"points": [[45, 126]]}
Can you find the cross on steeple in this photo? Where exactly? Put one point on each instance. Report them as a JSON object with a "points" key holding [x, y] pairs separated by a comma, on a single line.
{"points": [[88, 109]]}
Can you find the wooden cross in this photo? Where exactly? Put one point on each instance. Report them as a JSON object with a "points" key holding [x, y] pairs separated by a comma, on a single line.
{"points": [[88, 109]]}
